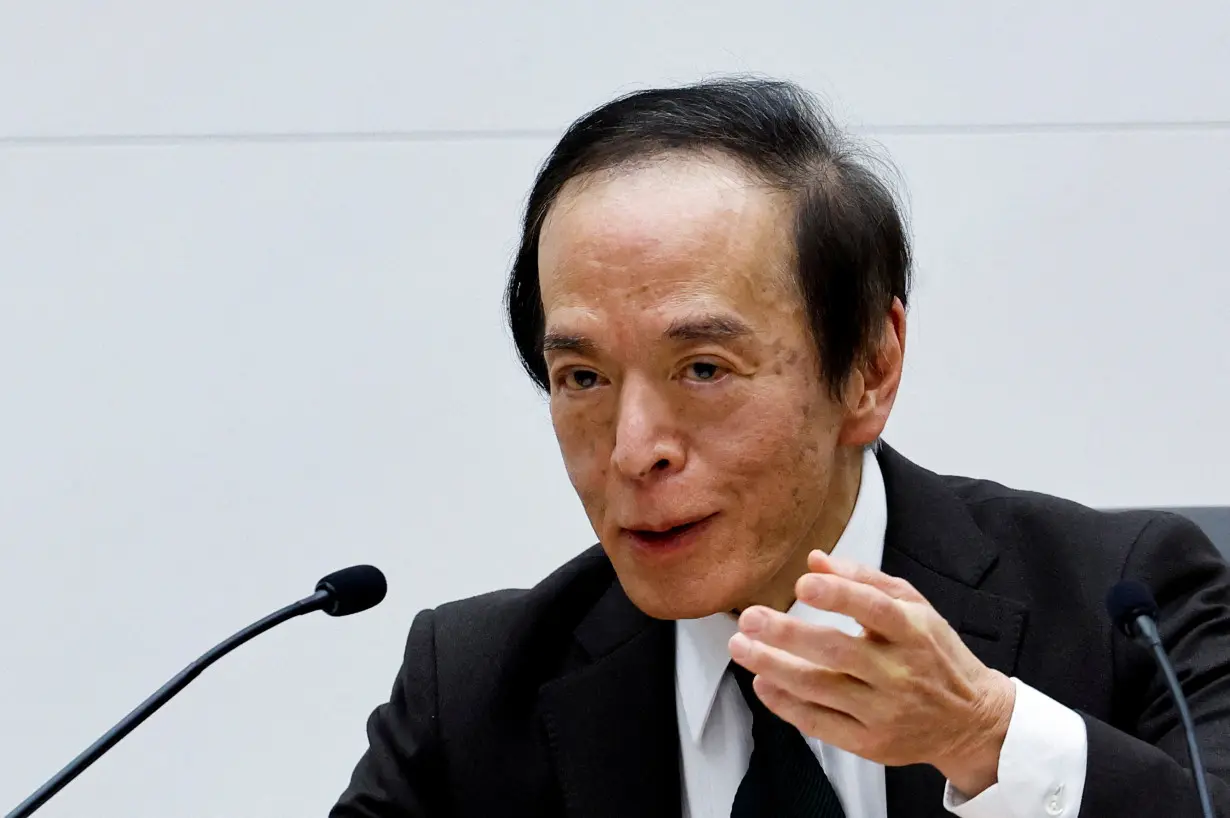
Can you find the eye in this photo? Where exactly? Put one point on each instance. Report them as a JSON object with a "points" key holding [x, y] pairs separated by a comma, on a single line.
{"points": [[705, 371], [578, 379]]}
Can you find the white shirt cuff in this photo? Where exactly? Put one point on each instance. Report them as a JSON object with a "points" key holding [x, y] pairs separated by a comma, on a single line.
{"points": [[1041, 765]]}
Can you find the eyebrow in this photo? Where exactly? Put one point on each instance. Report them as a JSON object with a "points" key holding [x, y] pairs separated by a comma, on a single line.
{"points": [[707, 328], [567, 342], [715, 328]]}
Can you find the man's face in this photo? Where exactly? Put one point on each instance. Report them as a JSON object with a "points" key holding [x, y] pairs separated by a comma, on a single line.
{"points": [[685, 388]]}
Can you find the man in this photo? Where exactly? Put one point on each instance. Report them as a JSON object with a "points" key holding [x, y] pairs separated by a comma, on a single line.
{"points": [[784, 616]]}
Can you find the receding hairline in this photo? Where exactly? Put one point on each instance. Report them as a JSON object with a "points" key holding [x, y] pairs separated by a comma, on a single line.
{"points": [[786, 274], [717, 158]]}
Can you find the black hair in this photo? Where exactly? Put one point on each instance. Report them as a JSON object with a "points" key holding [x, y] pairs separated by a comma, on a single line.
{"points": [[852, 251]]}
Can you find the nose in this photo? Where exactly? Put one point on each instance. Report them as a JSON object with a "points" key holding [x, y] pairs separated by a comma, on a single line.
{"points": [[646, 440]]}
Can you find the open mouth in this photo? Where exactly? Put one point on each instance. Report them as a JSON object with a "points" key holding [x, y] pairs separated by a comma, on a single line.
{"points": [[668, 533], [673, 536]]}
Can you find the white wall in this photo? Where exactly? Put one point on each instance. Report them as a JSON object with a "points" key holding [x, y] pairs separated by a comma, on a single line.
{"points": [[251, 257]]}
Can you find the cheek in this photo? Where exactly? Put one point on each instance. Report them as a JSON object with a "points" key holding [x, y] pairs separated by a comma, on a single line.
{"points": [[585, 440], [773, 451], [767, 461]]}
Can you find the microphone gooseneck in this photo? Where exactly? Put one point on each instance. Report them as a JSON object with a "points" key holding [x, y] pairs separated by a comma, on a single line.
{"points": [[341, 593], [1134, 611]]}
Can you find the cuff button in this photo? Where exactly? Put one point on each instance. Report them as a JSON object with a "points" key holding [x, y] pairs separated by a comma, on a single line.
{"points": [[1054, 801]]}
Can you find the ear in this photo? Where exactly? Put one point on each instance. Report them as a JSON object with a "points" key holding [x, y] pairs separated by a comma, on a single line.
{"points": [[872, 387]]}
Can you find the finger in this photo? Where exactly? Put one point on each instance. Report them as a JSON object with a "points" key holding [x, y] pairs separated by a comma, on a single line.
{"points": [[815, 720], [869, 606], [896, 587], [823, 646], [818, 685]]}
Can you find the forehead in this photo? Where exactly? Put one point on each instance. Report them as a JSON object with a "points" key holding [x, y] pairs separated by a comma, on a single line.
{"points": [[676, 231]]}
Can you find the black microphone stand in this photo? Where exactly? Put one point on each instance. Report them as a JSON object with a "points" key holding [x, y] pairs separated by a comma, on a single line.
{"points": [[1148, 629], [147, 708]]}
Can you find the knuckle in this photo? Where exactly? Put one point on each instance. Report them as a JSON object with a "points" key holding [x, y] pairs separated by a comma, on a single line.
{"points": [[781, 630], [885, 609], [901, 587], [812, 679], [926, 619], [757, 654], [787, 626], [839, 649], [899, 673], [862, 573]]}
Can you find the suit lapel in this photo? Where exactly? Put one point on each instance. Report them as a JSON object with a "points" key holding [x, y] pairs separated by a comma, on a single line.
{"points": [[611, 723], [932, 542]]}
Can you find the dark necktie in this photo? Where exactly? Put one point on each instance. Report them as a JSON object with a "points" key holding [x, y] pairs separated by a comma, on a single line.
{"points": [[784, 778]]}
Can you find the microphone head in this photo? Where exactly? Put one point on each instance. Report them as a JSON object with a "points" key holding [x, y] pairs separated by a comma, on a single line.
{"points": [[353, 589], [1128, 600]]}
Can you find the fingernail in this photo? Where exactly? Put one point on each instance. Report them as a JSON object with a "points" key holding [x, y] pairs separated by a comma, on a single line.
{"points": [[753, 621], [740, 646]]}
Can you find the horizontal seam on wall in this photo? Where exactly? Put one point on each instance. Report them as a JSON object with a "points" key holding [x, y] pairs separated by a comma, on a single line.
{"points": [[514, 134]]}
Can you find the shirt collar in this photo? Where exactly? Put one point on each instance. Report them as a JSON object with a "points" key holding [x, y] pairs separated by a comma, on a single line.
{"points": [[701, 653]]}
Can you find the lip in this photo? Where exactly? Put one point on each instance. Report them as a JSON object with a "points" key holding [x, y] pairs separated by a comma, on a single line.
{"points": [[668, 540]]}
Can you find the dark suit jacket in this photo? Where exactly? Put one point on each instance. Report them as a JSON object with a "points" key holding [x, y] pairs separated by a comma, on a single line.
{"points": [[559, 700]]}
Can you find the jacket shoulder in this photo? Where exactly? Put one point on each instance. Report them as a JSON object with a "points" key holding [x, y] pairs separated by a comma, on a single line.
{"points": [[516, 638], [1055, 532], [580, 580]]}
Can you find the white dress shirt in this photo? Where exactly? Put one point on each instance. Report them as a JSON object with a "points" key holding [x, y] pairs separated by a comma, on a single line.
{"points": [[1041, 765]]}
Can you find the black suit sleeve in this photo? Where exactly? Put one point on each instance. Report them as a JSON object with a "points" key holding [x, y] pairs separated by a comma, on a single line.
{"points": [[400, 774], [1143, 768]]}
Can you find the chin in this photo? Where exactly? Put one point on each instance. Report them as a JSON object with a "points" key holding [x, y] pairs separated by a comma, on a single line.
{"points": [[672, 597], [689, 579], [659, 606]]}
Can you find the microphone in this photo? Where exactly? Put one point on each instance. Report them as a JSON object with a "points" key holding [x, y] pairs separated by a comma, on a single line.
{"points": [[350, 590], [1133, 610]]}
